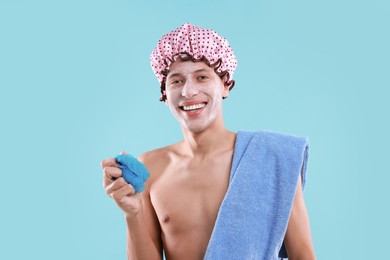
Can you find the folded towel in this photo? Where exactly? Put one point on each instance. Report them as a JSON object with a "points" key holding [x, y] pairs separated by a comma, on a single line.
{"points": [[133, 171], [253, 217]]}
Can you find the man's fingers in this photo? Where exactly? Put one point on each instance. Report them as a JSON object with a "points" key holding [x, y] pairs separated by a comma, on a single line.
{"points": [[110, 162], [110, 174], [123, 152], [115, 185], [125, 191], [120, 188]]}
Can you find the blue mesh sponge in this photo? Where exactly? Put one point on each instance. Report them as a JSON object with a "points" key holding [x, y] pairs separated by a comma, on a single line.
{"points": [[133, 171]]}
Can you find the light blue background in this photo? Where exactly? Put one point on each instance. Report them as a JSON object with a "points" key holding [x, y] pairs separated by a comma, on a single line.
{"points": [[76, 87]]}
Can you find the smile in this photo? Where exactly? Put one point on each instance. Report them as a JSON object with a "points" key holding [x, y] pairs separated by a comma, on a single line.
{"points": [[193, 107]]}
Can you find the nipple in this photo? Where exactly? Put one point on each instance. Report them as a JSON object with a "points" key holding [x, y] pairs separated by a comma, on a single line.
{"points": [[165, 219]]}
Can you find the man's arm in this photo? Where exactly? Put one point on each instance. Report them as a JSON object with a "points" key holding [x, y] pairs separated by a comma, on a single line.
{"points": [[298, 240], [143, 231]]}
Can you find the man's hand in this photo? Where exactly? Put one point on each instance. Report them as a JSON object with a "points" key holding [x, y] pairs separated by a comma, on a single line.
{"points": [[118, 189]]}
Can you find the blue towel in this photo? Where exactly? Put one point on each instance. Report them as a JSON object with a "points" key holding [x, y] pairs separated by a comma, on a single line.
{"points": [[253, 217], [133, 171]]}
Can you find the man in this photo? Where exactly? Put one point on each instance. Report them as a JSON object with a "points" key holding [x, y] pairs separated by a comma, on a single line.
{"points": [[185, 204]]}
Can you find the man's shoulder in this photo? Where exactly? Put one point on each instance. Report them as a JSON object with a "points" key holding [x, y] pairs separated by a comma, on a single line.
{"points": [[270, 142], [157, 160], [272, 138], [159, 154], [152, 154]]}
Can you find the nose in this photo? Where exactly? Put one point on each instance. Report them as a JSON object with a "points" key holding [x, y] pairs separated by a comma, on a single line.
{"points": [[189, 89]]}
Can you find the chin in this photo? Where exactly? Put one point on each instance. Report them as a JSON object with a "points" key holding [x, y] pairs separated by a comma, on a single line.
{"points": [[197, 125], [197, 128], [194, 129]]}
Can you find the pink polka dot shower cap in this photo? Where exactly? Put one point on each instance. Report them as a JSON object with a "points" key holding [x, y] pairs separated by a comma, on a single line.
{"points": [[199, 44]]}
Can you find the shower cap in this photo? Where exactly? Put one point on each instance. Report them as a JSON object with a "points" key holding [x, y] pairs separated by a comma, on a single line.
{"points": [[199, 44]]}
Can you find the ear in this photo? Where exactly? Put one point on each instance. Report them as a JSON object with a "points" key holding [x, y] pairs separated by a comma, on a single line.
{"points": [[225, 92]]}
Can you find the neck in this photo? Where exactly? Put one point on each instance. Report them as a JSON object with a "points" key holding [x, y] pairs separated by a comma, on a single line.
{"points": [[214, 139]]}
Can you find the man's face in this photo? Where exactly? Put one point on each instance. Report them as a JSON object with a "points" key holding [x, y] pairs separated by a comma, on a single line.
{"points": [[194, 94]]}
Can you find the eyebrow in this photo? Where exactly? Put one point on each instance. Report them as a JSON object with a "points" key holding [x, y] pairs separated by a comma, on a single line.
{"points": [[179, 74]]}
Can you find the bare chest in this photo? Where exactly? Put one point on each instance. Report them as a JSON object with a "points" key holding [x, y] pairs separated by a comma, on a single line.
{"points": [[187, 198]]}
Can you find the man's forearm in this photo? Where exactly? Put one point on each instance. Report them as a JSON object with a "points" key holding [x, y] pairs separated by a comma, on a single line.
{"points": [[140, 245]]}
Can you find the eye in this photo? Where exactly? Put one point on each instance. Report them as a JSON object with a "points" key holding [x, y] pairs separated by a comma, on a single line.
{"points": [[175, 82], [202, 77]]}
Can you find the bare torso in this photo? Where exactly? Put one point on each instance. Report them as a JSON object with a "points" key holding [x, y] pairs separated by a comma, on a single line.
{"points": [[186, 193]]}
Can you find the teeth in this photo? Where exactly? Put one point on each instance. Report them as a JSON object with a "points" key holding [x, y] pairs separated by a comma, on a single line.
{"points": [[193, 107]]}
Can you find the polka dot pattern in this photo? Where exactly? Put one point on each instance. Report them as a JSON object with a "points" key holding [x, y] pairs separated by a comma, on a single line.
{"points": [[197, 42]]}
